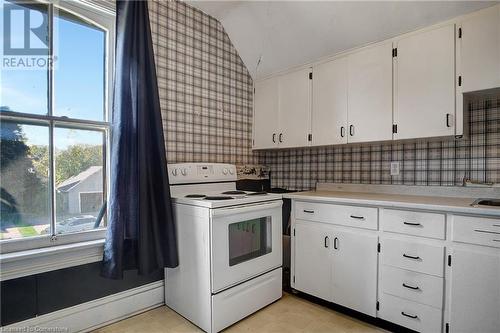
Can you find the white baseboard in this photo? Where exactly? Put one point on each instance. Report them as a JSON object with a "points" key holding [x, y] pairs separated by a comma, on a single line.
{"points": [[97, 313]]}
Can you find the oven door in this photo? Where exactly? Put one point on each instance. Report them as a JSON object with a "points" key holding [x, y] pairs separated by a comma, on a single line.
{"points": [[246, 242]]}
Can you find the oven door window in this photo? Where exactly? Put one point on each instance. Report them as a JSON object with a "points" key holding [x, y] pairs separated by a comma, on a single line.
{"points": [[249, 239]]}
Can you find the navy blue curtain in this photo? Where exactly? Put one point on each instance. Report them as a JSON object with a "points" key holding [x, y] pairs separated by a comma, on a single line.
{"points": [[141, 232]]}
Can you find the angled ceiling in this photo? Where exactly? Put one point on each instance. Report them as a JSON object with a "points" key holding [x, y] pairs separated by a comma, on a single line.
{"points": [[285, 34]]}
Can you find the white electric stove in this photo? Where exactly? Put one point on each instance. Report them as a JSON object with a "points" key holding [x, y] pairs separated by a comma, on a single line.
{"points": [[229, 245]]}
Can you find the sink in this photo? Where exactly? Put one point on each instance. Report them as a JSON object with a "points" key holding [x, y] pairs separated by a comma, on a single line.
{"points": [[486, 202]]}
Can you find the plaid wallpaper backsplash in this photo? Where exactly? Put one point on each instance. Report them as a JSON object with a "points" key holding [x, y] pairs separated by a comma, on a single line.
{"points": [[422, 162], [205, 89], [206, 99]]}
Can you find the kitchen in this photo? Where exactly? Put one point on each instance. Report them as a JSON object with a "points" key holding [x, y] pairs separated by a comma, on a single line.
{"points": [[366, 134]]}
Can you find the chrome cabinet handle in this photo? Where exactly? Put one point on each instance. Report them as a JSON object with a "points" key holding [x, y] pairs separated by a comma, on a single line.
{"points": [[410, 257], [412, 224], [274, 137], [410, 287], [409, 316], [308, 211], [326, 241]]}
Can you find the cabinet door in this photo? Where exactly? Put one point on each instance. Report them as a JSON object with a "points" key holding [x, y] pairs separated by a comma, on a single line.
{"points": [[480, 50], [475, 292], [313, 259], [266, 108], [294, 109], [370, 94], [329, 103], [354, 270], [425, 84]]}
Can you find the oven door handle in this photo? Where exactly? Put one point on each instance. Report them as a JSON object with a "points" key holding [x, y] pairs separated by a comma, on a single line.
{"points": [[247, 208]]}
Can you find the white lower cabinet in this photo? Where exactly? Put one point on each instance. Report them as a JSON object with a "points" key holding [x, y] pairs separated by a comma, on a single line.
{"points": [[354, 277], [344, 261], [313, 259], [475, 290], [413, 286], [415, 316], [337, 265]]}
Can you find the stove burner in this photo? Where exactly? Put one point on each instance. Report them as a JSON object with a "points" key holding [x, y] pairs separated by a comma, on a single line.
{"points": [[257, 193], [234, 192], [195, 196], [218, 197]]}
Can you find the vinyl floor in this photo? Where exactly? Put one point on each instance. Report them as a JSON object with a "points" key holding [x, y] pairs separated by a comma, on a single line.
{"points": [[290, 314]]}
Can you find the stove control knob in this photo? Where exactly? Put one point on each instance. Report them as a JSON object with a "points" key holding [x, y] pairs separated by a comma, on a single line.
{"points": [[224, 171], [231, 171], [174, 172], [184, 172]]}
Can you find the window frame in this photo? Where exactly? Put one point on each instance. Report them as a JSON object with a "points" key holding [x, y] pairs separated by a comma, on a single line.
{"points": [[105, 20]]}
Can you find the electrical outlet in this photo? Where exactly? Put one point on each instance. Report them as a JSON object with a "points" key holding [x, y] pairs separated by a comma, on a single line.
{"points": [[394, 168]]}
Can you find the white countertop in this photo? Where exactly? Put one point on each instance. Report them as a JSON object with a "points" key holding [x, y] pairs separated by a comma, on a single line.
{"points": [[440, 203]]}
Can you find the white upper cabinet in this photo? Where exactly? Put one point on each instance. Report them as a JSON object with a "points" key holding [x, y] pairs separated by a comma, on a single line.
{"points": [[294, 109], [329, 103], [411, 85], [479, 50], [370, 94], [265, 116], [425, 84], [282, 111]]}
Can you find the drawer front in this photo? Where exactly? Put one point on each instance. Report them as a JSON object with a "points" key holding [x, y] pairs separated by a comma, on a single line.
{"points": [[352, 216], [476, 230], [413, 256], [422, 224], [417, 287], [415, 316]]}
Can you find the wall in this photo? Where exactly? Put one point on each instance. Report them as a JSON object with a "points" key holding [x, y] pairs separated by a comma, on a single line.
{"points": [[205, 89], [423, 162], [206, 99]]}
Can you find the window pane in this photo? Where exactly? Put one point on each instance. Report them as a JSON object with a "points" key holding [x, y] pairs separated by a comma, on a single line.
{"points": [[79, 179], [25, 196], [80, 68], [23, 78]]}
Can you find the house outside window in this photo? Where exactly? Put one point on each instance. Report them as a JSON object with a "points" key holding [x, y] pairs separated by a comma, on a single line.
{"points": [[54, 117]]}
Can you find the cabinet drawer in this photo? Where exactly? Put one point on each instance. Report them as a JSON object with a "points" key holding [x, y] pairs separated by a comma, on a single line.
{"points": [[418, 317], [476, 230], [413, 256], [413, 223], [417, 287], [352, 216]]}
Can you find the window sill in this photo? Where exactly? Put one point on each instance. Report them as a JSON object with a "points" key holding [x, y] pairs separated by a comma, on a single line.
{"points": [[23, 263]]}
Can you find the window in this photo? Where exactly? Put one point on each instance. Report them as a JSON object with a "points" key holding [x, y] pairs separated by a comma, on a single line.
{"points": [[54, 120]]}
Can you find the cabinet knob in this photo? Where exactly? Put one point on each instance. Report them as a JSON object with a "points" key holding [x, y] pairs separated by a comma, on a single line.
{"points": [[412, 224], [410, 257], [409, 316], [410, 287], [448, 120]]}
